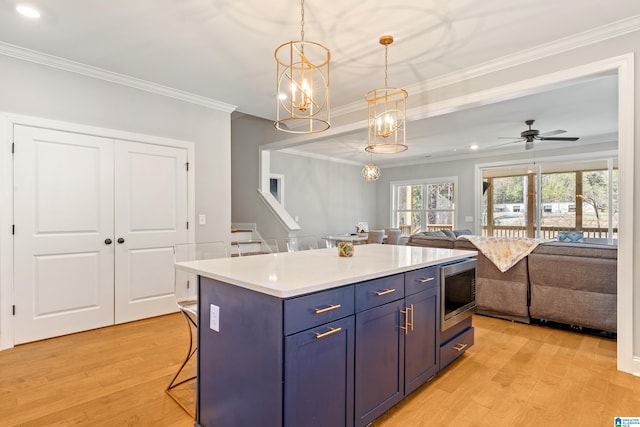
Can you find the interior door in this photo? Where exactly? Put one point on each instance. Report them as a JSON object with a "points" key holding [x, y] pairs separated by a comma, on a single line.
{"points": [[151, 216], [63, 216]]}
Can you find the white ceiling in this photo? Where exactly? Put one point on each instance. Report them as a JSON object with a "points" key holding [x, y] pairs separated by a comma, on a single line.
{"points": [[223, 50]]}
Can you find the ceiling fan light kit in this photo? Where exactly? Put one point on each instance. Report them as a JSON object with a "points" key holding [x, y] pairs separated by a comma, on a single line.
{"points": [[386, 113], [302, 80]]}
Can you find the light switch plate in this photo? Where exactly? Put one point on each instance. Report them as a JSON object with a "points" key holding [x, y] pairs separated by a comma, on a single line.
{"points": [[214, 318], [202, 219]]}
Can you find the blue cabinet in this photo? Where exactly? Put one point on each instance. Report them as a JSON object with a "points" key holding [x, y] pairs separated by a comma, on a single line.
{"points": [[318, 359], [318, 376], [396, 349], [421, 350], [423, 305], [379, 358]]}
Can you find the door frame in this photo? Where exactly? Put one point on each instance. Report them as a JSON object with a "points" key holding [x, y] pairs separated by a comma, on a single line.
{"points": [[7, 121]]}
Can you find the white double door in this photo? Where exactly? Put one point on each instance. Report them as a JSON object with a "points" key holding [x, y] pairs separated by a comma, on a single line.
{"points": [[95, 224]]}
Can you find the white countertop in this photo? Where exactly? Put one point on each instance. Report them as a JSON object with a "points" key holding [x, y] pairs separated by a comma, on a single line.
{"points": [[289, 274]]}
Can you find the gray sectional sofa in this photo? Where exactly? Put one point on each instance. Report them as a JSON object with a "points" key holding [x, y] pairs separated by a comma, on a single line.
{"points": [[570, 283]]}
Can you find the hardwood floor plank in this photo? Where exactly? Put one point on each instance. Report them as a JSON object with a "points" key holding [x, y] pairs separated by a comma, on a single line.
{"points": [[524, 375], [514, 375], [110, 376]]}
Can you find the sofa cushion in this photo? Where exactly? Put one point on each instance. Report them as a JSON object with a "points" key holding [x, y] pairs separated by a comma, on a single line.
{"points": [[437, 233], [449, 233], [571, 236], [430, 241], [465, 232], [587, 250]]}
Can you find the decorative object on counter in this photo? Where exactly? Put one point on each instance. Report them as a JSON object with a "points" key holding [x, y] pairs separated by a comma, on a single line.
{"points": [[302, 85], [345, 249], [386, 111]]}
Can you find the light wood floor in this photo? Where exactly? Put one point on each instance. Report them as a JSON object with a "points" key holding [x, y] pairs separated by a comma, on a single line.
{"points": [[514, 375]]}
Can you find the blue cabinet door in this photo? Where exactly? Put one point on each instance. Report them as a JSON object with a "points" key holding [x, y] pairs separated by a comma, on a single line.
{"points": [[318, 378], [421, 349], [379, 377]]}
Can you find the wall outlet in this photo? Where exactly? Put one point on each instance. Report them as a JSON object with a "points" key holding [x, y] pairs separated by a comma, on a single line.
{"points": [[214, 318], [468, 219], [202, 219]]}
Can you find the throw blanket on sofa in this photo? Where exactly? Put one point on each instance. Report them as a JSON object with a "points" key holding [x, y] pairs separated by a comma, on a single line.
{"points": [[504, 252]]}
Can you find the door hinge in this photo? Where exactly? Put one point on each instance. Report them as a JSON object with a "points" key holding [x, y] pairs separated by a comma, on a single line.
{"points": [[13, 229], [187, 225], [13, 147], [14, 310], [188, 284], [187, 166]]}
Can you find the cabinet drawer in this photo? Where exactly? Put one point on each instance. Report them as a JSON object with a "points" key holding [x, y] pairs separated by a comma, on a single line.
{"points": [[419, 280], [379, 291], [315, 309], [455, 347]]}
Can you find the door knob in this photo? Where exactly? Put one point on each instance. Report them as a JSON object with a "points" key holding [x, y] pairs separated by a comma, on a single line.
{"points": [[108, 241], [120, 240]]}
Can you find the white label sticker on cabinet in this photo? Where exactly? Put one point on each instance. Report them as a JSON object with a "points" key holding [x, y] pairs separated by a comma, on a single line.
{"points": [[214, 318]]}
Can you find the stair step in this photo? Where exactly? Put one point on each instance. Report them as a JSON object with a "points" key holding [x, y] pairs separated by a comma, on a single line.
{"points": [[245, 242], [249, 254]]}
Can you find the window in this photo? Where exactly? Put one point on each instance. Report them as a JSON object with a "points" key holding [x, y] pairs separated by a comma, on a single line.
{"points": [[563, 197], [276, 187], [425, 205]]}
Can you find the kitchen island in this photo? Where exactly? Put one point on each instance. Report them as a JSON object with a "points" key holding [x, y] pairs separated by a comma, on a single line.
{"points": [[312, 339]]}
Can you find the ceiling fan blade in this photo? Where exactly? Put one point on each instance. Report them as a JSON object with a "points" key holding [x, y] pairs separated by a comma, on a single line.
{"points": [[510, 137], [552, 132], [543, 138], [507, 143]]}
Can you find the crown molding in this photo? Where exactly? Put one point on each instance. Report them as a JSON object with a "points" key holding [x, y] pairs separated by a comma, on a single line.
{"points": [[102, 74], [599, 34], [320, 157]]}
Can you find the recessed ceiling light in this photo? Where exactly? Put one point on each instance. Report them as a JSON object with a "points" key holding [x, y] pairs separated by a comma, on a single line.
{"points": [[27, 11], [474, 147]]}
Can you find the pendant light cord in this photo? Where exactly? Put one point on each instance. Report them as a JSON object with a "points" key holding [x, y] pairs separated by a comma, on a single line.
{"points": [[302, 21], [386, 65]]}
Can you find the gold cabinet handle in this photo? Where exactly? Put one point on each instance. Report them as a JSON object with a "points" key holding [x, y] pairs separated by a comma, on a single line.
{"points": [[385, 292], [331, 331], [411, 324], [426, 279], [408, 314], [324, 310], [460, 347]]}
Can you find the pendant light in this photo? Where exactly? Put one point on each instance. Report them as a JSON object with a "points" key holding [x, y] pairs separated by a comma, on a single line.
{"points": [[386, 111], [302, 80], [371, 171]]}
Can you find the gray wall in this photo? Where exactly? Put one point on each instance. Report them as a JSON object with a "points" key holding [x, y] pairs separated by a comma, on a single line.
{"points": [[327, 197], [31, 89]]}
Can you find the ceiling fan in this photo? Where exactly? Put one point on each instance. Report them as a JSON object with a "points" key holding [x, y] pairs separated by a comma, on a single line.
{"points": [[531, 135]]}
